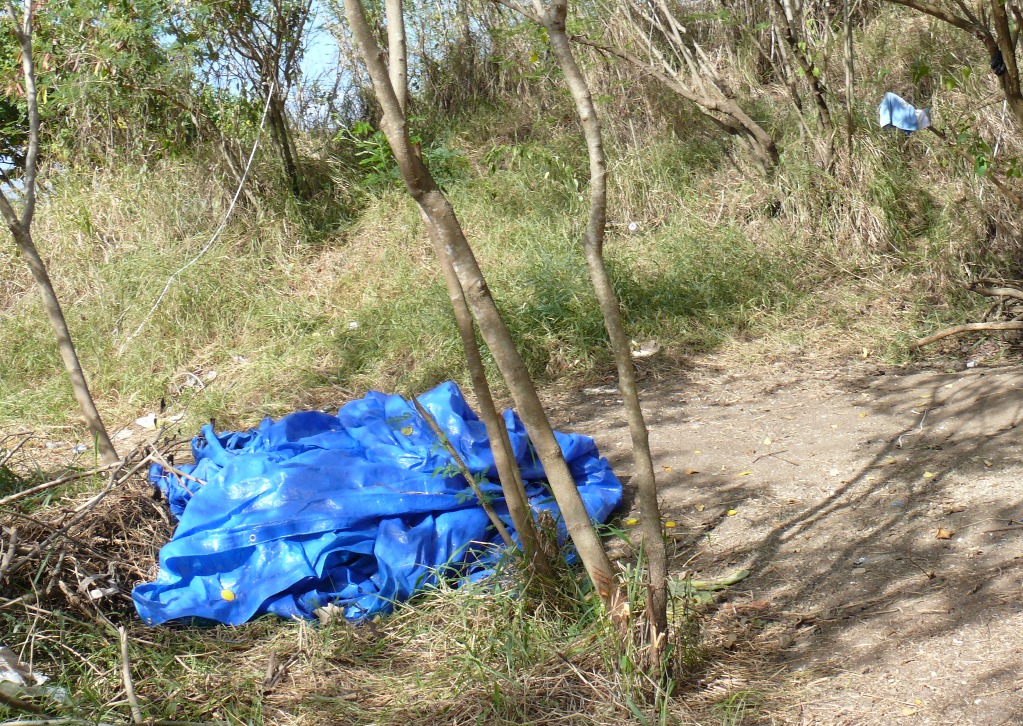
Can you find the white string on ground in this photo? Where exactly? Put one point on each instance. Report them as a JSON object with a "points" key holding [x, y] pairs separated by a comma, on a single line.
{"points": [[216, 234]]}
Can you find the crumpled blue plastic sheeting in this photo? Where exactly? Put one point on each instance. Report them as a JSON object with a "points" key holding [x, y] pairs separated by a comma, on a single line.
{"points": [[896, 112], [360, 509]]}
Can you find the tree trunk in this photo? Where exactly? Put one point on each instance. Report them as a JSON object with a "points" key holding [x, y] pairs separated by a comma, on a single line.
{"points": [[500, 445], [786, 26], [397, 55], [282, 138], [21, 229], [849, 76], [1010, 80], [593, 246], [428, 196], [107, 453]]}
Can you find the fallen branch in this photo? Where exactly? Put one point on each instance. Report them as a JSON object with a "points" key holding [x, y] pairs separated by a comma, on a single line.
{"points": [[984, 287], [1010, 528], [968, 328], [56, 483]]}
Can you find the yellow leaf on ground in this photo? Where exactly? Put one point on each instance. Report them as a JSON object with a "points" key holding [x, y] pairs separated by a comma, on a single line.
{"points": [[697, 452], [631, 522], [732, 512], [700, 507], [666, 468], [669, 524], [693, 471], [744, 473], [906, 711], [928, 475]]}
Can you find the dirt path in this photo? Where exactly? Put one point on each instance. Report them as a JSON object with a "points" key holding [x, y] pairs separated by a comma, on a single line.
{"points": [[877, 510]]}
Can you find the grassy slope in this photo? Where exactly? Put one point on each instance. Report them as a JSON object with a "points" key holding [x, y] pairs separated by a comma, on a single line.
{"points": [[273, 306]]}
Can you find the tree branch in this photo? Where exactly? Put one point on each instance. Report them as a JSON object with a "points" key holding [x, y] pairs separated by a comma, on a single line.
{"points": [[925, 6], [968, 328]]}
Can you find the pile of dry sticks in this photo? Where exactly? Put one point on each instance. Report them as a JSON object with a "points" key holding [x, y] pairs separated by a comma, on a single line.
{"points": [[85, 551]]}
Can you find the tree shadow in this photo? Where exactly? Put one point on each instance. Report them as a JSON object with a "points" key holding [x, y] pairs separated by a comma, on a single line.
{"points": [[902, 567]]}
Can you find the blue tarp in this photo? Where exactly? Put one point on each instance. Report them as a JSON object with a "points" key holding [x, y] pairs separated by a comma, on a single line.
{"points": [[360, 509], [895, 112]]}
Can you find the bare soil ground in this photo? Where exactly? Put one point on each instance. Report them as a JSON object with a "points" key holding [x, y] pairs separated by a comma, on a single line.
{"points": [[879, 511]]}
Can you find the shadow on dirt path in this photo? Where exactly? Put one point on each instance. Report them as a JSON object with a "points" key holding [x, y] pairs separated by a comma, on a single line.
{"points": [[879, 512]]}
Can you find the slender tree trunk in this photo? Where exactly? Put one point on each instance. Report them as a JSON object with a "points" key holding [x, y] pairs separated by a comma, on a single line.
{"points": [[787, 29], [553, 18], [435, 206], [397, 55], [500, 444], [1010, 80], [849, 76], [65, 345], [21, 230], [282, 137]]}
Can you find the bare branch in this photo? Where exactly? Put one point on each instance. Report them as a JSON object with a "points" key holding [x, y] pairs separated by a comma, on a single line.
{"points": [[464, 471], [516, 8], [31, 158], [968, 328], [21, 231], [934, 10]]}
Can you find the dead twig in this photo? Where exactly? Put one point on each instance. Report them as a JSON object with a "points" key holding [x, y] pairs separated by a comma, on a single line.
{"points": [[129, 687], [8, 557], [162, 461], [995, 288], [12, 452], [774, 455], [484, 501], [80, 513], [55, 483]]}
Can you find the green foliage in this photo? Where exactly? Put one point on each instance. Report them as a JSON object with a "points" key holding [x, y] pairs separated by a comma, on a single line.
{"points": [[377, 163], [107, 85]]}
